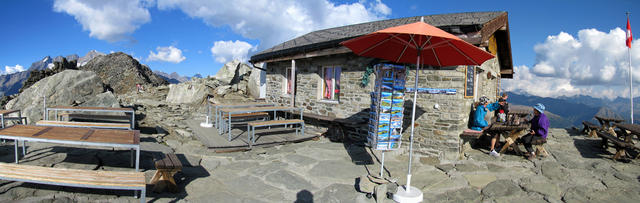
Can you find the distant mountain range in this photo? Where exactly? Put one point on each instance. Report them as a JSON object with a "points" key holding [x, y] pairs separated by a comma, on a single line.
{"points": [[11, 83], [175, 78], [571, 111]]}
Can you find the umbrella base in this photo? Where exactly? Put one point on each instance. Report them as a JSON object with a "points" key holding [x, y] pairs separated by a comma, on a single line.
{"points": [[414, 195]]}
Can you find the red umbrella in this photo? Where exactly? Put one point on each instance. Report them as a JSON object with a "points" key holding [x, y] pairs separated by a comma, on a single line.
{"points": [[423, 44], [405, 43]]}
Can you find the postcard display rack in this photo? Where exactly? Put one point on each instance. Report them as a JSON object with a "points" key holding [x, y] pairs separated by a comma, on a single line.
{"points": [[387, 107]]}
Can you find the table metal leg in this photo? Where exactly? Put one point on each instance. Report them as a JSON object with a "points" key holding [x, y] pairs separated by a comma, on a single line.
{"points": [[133, 120], [24, 150], [20, 118], [249, 135], [15, 143]]}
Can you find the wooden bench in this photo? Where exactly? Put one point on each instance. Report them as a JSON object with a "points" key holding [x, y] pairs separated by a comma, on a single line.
{"points": [[115, 180], [619, 144], [251, 127], [539, 147], [243, 118], [467, 136], [590, 128], [84, 124], [166, 168], [105, 118]]}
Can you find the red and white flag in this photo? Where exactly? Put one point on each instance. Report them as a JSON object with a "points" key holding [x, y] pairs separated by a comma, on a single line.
{"points": [[629, 36]]}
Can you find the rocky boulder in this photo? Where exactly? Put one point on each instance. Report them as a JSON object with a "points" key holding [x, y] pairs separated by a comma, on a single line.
{"points": [[67, 88], [232, 72], [253, 86], [121, 72], [187, 93]]}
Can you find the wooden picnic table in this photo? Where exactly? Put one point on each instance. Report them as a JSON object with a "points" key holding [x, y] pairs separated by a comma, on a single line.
{"points": [[511, 132], [236, 105], [5, 112], [91, 109], [627, 131], [74, 136], [230, 111], [606, 122]]}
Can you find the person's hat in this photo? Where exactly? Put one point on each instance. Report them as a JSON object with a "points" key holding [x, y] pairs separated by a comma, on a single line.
{"points": [[501, 100], [539, 107], [484, 100]]}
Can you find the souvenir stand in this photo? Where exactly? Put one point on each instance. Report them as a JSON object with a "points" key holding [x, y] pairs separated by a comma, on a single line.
{"points": [[387, 108]]}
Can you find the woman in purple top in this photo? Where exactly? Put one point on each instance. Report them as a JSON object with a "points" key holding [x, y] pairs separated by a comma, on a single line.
{"points": [[539, 130]]}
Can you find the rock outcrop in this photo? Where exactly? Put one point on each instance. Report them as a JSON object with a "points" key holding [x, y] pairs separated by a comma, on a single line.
{"points": [[187, 93], [232, 72], [67, 88], [121, 72], [37, 75], [253, 86]]}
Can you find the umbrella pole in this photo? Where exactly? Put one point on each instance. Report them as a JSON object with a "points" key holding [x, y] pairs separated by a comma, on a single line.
{"points": [[408, 194], [413, 120]]}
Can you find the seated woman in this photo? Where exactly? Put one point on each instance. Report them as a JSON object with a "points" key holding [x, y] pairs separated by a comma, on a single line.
{"points": [[479, 123], [538, 132]]}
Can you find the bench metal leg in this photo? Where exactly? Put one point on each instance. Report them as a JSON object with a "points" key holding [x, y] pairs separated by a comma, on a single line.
{"points": [[143, 195], [229, 127], [137, 158], [24, 150], [249, 135], [302, 128], [131, 159]]}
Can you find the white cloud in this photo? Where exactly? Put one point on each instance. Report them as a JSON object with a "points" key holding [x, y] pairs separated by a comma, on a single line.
{"points": [[224, 51], [111, 20], [167, 54], [275, 21], [12, 69], [595, 63]]}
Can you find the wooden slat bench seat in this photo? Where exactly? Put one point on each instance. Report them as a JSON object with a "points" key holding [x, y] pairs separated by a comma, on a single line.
{"points": [[539, 147], [619, 144], [242, 118], [84, 124], [468, 136], [251, 127], [109, 118], [116, 180], [590, 128], [246, 115], [166, 168]]}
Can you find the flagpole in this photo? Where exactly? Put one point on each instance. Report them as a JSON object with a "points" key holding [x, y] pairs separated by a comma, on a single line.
{"points": [[630, 72]]}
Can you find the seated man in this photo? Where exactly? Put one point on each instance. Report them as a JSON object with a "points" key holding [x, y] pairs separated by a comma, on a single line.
{"points": [[539, 130], [479, 123]]}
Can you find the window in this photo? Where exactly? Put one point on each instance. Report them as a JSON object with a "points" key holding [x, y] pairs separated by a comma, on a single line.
{"points": [[287, 86], [331, 83]]}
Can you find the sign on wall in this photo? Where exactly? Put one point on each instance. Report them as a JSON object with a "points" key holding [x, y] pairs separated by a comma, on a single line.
{"points": [[469, 81]]}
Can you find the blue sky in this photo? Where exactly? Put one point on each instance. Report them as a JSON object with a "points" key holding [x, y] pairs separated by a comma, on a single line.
{"points": [[197, 36]]}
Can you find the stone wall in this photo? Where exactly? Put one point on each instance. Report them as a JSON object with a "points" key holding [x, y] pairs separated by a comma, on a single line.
{"points": [[438, 129]]}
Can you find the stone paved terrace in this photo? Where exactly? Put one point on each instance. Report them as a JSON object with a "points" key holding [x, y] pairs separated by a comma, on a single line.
{"points": [[322, 171]]}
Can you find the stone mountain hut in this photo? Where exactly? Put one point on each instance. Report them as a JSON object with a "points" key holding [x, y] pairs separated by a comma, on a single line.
{"points": [[333, 85]]}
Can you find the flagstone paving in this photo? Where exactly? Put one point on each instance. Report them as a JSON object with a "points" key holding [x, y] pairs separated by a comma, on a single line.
{"points": [[323, 171]]}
